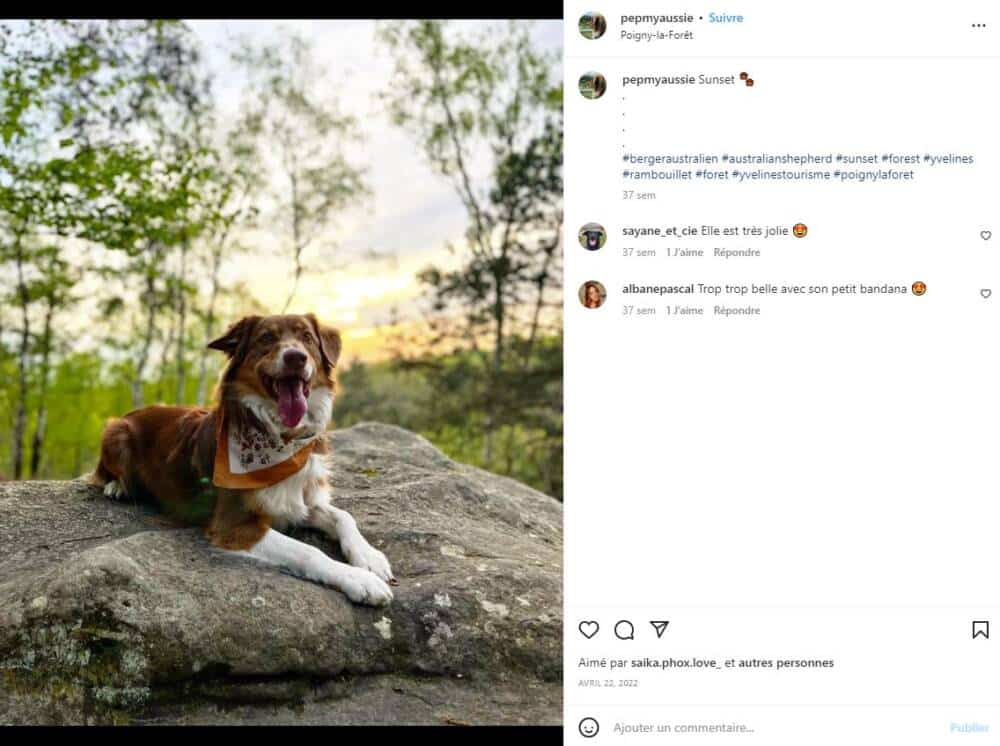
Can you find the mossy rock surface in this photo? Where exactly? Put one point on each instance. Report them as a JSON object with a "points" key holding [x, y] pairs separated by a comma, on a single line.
{"points": [[109, 613]]}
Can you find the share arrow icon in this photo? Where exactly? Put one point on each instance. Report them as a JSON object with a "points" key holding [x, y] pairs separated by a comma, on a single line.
{"points": [[660, 628]]}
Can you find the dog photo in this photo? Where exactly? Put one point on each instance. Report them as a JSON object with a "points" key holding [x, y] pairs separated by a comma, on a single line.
{"points": [[281, 404], [592, 85], [592, 25], [592, 236]]}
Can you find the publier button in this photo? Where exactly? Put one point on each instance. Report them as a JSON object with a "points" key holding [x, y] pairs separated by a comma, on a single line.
{"points": [[981, 628]]}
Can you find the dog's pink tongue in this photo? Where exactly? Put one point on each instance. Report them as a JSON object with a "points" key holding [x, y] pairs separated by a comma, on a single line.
{"points": [[291, 401]]}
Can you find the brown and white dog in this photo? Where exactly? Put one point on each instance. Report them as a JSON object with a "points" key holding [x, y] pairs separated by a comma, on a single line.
{"points": [[276, 389]]}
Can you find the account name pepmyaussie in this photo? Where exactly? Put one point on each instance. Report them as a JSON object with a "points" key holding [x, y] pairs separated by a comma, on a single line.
{"points": [[655, 81]]}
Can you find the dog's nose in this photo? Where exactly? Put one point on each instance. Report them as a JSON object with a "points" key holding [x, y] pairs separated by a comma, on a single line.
{"points": [[294, 359]]}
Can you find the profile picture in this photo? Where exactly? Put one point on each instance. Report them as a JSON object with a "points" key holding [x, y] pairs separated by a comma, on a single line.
{"points": [[592, 236], [593, 294], [593, 85], [592, 25]]}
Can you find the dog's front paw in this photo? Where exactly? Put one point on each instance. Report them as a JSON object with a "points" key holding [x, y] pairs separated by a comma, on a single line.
{"points": [[362, 554], [114, 490], [363, 587]]}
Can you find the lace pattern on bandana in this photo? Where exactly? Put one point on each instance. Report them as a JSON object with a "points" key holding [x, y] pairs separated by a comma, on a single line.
{"points": [[251, 449]]}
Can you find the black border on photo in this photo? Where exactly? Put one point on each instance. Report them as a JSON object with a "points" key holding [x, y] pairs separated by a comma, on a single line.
{"points": [[440, 735], [537, 10]]}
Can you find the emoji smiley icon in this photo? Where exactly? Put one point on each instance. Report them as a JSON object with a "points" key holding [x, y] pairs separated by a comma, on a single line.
{"points": [[799, 230], [743, 76], [588, 727], [919, 288], [750, 82]]}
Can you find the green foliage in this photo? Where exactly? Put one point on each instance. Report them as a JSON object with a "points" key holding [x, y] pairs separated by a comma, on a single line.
{"points": [[102, 130], [84, 391], [462, 98], [441, 398]]}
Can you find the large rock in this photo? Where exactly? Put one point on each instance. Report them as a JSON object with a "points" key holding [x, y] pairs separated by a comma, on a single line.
{"points": [[109, 613]]}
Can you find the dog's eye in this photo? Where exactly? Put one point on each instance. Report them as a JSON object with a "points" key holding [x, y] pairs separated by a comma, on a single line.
{"points": [[266, 338], [308, 337]]}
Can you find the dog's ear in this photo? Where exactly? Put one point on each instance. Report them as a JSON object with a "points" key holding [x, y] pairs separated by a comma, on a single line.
{"points": [[236, 337], [329, 342]]}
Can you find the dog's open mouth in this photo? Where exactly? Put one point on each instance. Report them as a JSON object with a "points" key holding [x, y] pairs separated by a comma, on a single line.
{"points": [[291, 393]]}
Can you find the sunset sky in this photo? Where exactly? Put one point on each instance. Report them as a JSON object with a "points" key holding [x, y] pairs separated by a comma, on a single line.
{"points": [[411, 215]]}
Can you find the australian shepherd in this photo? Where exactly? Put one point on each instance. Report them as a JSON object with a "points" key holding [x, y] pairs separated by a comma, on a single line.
{"points": [[256, 461]]}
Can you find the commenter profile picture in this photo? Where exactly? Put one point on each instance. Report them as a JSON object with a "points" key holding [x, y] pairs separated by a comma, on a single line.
{"points": [[592, 236], [592, 25], [593, 294], [593, 85]]}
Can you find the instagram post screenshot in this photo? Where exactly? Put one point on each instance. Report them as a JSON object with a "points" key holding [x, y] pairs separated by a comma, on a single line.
{"points": [[564, 373]]}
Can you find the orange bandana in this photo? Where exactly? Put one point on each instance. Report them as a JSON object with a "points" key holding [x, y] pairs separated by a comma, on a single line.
{"points": [[252, 459]]}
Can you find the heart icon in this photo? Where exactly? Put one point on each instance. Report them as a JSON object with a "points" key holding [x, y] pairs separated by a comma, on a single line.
{"points": [[986, 292], [589, 629], [986, 235]]}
